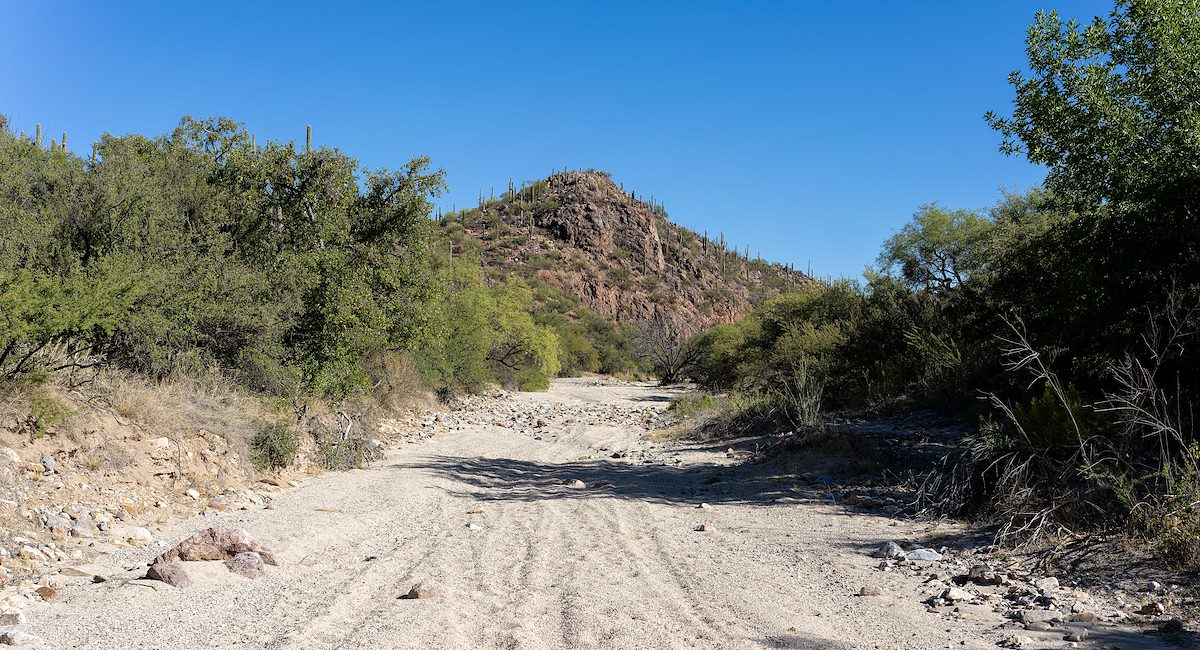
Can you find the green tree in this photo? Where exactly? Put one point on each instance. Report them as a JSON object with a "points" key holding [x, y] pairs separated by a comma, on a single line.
{"points": [[1111, 106], [939, 249]]}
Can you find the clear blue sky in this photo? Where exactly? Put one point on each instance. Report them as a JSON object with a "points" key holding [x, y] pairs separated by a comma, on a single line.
{"points": [[809, 130]]}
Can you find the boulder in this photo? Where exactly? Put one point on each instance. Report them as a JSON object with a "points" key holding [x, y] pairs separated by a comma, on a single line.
{"points": [[135, 535], [216, 543], [888, 550], [923, 555], [247, 565], [172, 574]]}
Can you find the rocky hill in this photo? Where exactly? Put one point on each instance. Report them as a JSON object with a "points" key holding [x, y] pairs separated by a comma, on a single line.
{"points": [[581, 233]]}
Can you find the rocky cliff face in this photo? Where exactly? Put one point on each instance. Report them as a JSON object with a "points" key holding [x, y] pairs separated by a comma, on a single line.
{"points": [[581, 233]]}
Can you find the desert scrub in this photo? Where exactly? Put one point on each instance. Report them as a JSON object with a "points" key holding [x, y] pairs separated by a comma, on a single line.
{"points": [[45, 412], [274, 446], [691, 404], [337, 451]]}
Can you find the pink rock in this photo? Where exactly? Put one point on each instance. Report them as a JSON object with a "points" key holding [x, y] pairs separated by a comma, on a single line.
{"points": [[216, 543], [172, 574], [247, 565]]}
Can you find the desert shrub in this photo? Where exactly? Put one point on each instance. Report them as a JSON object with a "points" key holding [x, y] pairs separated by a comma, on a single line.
{"points": [[274, 446], [339, 451], [45, 412], [287, 268]]}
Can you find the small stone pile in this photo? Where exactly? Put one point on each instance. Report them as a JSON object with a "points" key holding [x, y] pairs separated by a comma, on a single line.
{"points": [[242, 554]]}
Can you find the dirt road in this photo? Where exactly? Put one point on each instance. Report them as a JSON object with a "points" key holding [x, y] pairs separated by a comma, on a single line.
{"points": [[525, 561]]}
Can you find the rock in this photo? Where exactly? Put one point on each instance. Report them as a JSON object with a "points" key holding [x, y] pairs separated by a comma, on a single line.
{"points": [[1077, 635], [923, 555], [13, 637], [954, 594], [1041, 616], [247, 565], [193, 494], [1084, 617], [703, 528], [704, 505], [1153, 587], [48, 594], [48, 462], [31, 553], [216, 543], [983, 575], [888, 550], [1173, 626], [1019, 641], [575, 484], [1046, 584], [1152, 609], [1037, 626], [424, 589], [170, 573], [870, 591], [10, 456], [12, 618], [135, 535]]}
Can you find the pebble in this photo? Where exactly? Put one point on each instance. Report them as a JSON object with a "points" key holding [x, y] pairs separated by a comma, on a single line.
{"points": [[424, 589], [870, 591], [1077, 635], [703, 528], [575, 484]]}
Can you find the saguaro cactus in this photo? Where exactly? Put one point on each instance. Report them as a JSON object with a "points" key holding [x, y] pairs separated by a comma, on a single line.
{"points": [[308, 139], [38, 138]]}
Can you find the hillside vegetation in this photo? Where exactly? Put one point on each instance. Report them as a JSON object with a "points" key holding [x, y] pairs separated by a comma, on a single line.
{"points": [[1062, 320]]}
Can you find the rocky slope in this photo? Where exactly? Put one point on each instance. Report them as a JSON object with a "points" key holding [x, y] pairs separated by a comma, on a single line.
{"points": [[581, 233]]}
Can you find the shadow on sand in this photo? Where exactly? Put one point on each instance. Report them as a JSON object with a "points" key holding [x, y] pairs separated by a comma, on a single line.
{"points": [[507, 479]]}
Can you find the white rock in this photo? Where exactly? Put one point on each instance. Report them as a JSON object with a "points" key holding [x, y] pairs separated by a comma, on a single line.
{"points": [[575, 484], [1047, 584], [193, 494], [135, 535], [13, 637], [923, 555], [31, 553], [954, 594]]}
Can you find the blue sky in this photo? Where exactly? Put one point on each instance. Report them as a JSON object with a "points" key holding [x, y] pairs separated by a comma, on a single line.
{"points": [[810, 131]]}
